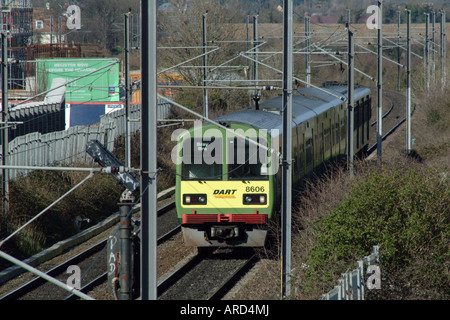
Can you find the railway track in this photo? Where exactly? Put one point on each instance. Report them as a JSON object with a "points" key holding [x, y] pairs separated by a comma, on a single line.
{"points": [[92, 260], [394, 117], [208, 277]]}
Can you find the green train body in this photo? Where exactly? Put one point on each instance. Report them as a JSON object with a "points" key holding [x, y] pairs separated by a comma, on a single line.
{"points": [[228, 189]]}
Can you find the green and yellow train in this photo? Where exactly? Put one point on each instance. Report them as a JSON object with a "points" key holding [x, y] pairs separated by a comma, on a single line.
{"points": [[228, 188]]}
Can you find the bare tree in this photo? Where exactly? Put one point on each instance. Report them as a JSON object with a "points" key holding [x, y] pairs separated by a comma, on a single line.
{"points": [[182, 27], [102, 21]]}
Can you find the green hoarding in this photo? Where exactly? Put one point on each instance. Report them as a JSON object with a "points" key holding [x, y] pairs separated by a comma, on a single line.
{"points": [[100, 86]]}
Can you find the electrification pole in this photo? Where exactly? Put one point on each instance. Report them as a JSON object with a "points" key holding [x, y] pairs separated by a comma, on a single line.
{"points": [[5, 116], [125, 206], [308, 50], [287, 148], [427, 51], [148, 152], [255, 58], [399, 54], [127, 91], [380, 82], [433, 46], [51, 30], [350, 101], [205, 67], [443, 50], [125, 228], [60, 30], [408, 82]]}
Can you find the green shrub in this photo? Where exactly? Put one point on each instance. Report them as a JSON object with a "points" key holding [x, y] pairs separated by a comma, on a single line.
{"points": [[406, 211]]}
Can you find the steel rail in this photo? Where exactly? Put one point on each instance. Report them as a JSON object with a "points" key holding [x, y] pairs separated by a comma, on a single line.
{"points": [[387, 112], [104, 276], [234, 278], [387, 134], [38, 281], [168, 282]]}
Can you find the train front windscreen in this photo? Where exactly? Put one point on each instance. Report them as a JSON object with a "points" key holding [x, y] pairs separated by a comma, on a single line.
{"points": [[246, 160]]}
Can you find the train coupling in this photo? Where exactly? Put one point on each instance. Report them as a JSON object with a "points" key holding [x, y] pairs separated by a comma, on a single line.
{"points": [[225, 232]]}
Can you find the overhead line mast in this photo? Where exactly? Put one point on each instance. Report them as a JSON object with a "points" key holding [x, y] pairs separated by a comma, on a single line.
{"points": [[286, 206]]}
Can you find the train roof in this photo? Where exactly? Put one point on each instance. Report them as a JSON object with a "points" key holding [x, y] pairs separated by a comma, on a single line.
{"points": [[306, 104]]}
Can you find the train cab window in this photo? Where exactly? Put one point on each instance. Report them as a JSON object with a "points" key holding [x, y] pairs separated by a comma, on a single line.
{"points": [[247, 160], [202, 158]]}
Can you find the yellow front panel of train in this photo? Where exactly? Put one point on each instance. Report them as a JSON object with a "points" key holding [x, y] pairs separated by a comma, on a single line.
{"points": [[226, 194]]}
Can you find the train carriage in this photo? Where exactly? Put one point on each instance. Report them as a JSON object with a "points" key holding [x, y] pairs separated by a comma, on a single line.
{"points": [[228, 188]]}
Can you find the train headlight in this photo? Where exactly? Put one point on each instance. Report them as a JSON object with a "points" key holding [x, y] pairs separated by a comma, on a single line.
{"points": [[255, 199], [195, 199]]}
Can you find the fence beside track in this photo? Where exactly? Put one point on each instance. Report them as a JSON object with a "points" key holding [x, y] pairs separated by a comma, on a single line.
{"points": [[69, 146]]}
